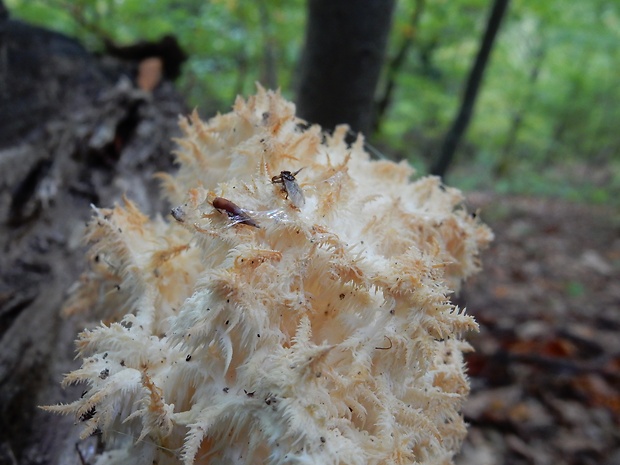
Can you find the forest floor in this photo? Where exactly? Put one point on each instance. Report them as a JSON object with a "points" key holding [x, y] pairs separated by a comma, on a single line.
{"points": [[545, 373]]}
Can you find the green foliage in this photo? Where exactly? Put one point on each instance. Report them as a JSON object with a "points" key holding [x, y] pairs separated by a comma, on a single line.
{"points": [[549, 105], [546, 119]]}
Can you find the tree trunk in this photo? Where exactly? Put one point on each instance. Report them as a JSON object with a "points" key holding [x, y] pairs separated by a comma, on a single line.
{"points": [[461, 122], [341, 62], [269, 66]]}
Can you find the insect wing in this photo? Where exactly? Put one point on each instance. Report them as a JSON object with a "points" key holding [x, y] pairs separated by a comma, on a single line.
{"points": [[294, 192], [234, 212]]}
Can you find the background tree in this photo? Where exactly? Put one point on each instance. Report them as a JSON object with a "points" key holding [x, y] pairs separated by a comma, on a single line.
{"points": [[341, 61], [395, 64], [470, 94]]}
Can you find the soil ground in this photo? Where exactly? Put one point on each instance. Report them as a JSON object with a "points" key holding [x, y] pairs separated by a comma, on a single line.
{"points": [[546, 368]]}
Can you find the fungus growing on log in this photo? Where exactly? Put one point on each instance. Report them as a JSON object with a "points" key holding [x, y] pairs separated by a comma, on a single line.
{"points": [[251, 327]]}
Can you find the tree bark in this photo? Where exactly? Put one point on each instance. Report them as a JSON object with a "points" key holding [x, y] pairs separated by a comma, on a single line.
{"points": [[73, 133], [341, 61], [463, 117]]}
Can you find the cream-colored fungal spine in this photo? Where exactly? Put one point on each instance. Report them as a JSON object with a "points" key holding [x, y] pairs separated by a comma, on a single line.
{"points": [[322, 333]]}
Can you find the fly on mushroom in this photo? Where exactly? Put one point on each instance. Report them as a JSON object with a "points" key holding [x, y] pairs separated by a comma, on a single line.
{"points": [[234, 212], [290, 186]]}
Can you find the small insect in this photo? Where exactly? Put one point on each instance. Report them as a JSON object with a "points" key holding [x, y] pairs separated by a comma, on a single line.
{"points": [[290, 186], [178, 214], [234, 212]]}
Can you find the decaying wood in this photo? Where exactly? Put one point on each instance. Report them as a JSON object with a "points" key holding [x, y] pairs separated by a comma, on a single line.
{"points": [[73, 132]]}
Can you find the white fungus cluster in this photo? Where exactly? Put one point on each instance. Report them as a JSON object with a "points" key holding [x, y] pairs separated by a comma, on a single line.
{"points": [[278, 316]]}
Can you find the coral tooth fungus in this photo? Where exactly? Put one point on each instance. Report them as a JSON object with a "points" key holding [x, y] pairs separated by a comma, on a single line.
{"points": [[324, 336]]}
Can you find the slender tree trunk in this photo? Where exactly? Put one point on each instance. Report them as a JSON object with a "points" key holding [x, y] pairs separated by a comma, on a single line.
{"points": [[342, 59], [269, 72], [395, 65], [461, 122]]}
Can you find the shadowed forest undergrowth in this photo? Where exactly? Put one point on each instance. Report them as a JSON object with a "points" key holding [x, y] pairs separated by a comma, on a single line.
{"points": [[546, 371]]}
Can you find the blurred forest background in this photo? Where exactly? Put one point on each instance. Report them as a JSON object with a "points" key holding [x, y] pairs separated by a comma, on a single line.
{"points": [[547, 115]]}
